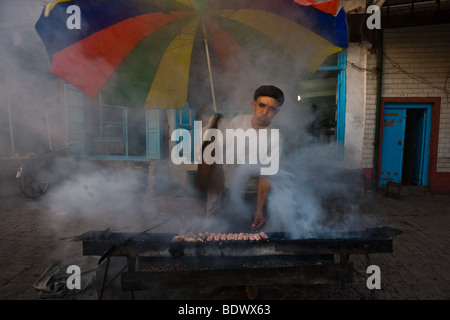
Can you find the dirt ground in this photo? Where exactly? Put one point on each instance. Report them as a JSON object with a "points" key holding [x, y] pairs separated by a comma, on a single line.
{"points": [[33, 237]]}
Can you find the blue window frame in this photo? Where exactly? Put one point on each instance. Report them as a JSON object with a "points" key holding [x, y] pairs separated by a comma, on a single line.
{"points": [[153, 133], [341, 93], [341, 100], [184, 119], [76, 110], [128, 134], [111, 132], [113, 139]]}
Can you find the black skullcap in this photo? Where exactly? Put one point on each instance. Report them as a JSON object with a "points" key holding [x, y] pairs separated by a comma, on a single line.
{"points": [[270, 91]]}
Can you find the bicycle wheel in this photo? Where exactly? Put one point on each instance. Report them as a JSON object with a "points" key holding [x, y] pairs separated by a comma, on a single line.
{"points": [[33, 183]]}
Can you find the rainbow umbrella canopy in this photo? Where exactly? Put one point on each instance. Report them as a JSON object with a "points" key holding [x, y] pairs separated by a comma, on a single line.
{"points": [[163, 53]]}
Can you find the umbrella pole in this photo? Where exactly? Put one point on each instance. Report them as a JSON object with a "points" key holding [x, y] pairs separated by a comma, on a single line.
{"points": [[209, 66], [11, 133]]}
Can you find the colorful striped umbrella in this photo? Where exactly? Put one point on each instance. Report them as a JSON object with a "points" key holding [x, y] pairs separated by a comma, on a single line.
{"points": [[164, 53]]}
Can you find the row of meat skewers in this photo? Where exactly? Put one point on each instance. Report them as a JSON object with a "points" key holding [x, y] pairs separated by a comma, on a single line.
{"points": [[211, 237]]}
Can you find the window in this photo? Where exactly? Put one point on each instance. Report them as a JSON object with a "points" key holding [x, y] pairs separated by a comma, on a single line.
{"points": [[112, 140], [324, 93], [75, 104], [106, 131]]}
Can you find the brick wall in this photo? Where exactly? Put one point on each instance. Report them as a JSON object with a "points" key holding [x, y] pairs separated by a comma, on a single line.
{"points": [[370, 113], [416, 64]]}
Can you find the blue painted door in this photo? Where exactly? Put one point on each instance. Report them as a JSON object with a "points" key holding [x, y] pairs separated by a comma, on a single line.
{"points": [[419, 144], [394, 125]]}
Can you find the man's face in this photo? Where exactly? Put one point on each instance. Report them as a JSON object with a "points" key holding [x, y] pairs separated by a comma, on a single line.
{"points": [[264, 110]]}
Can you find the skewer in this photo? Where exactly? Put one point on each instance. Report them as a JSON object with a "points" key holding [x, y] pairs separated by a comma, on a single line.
{"points": [[215, 237]]}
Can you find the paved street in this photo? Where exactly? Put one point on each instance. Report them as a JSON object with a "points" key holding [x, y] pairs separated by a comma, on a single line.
{"points": [[31, 233]]}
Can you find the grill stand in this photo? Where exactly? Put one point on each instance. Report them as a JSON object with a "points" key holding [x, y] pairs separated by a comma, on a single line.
{"points": [[309, 261]]}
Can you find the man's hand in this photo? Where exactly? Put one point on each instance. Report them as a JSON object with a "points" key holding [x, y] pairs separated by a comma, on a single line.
{"points": [[258, 220], [263, 190]]}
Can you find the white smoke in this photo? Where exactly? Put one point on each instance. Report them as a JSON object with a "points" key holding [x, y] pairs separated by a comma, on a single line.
{"points": [[316, 190], [314, 195], [307, 182]]}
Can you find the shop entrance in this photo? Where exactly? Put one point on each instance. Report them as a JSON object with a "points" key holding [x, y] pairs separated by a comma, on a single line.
{"points": [[405, 143]]}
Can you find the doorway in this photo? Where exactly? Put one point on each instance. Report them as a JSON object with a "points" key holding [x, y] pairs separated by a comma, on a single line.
{"points": [[405, 149]]}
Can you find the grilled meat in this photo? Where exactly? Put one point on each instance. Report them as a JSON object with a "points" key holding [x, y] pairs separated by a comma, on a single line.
{"points": [[213, 237]]}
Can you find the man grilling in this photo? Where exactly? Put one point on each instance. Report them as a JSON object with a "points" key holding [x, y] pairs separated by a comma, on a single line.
{"points": [[243, 183], [246, 188]]}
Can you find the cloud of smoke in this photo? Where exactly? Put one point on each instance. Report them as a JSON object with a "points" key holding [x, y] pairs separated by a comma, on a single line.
{"points": [[106, 197], [316, 191], [26, 87], [312, 197]]}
